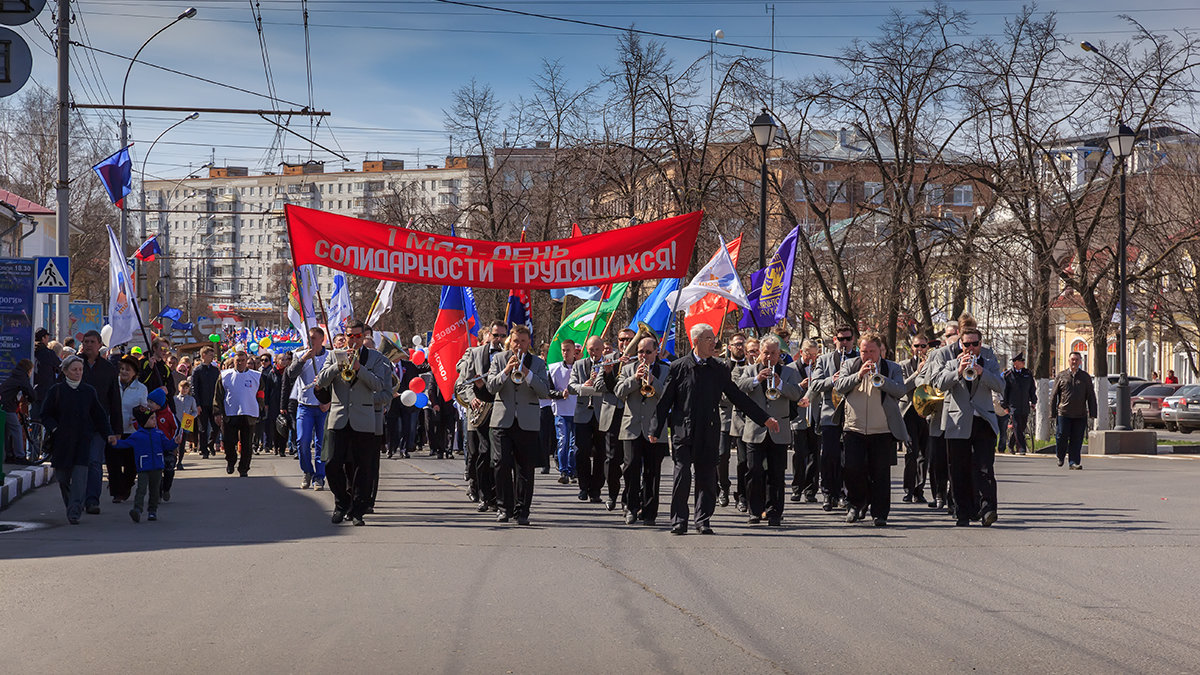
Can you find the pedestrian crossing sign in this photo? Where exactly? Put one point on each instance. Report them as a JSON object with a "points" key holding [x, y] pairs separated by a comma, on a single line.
{"points": [[53, 274]]}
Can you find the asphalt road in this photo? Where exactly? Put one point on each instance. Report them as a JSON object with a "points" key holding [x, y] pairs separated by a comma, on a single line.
{"points": [[1090, 571]]}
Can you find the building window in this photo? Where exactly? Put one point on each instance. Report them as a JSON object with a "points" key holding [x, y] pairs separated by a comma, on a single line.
{"points": [[873, 193], [934, 195], [963, 195], [801, 195], [835, 191]]}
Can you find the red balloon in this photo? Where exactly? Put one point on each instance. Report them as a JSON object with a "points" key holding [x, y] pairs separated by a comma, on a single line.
{"points": [[418, 357], [416, 385]]}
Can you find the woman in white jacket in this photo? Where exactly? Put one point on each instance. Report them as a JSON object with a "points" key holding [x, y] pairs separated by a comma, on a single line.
{"points": [[122, 472]]}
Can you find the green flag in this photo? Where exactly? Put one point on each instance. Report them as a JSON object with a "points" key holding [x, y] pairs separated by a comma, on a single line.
{"points": [[576, 326]]}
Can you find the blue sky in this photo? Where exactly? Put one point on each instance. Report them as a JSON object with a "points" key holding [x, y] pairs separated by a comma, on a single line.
{"points": [[386, 68]]}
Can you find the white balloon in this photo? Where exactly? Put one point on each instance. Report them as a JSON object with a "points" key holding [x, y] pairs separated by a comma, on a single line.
{"points": [[105, 333], [417, 341], [408, 398]]}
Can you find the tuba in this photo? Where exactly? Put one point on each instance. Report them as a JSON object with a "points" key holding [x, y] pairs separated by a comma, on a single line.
{"points": [[389, 349], [927, 400]]}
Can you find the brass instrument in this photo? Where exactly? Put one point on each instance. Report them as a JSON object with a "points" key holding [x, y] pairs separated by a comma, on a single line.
{"points": [[876, 377], [927, 400], [461, 397], [647, 389], [342, 358], [518, 373], [973, 370]]}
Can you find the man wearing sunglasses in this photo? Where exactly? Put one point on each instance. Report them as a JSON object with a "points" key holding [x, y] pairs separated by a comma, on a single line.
{"points": [[971, 426], [832, 416]]}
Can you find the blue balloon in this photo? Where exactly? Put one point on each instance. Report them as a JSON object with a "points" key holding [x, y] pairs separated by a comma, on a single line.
{"points": [[253, 347], [422, 400]]}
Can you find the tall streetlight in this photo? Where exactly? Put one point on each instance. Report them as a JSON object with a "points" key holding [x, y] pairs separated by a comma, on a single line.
{"points": [[763, 127], [717, 34], [186, 14], [1120, 141], [142, 194]]}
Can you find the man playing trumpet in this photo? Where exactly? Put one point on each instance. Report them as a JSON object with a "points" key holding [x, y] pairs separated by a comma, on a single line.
{"points": [[772, 386], [640, 385], [518, 379]]}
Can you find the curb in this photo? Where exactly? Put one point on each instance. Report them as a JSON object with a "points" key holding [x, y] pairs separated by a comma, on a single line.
{"points": [[20, 480]]}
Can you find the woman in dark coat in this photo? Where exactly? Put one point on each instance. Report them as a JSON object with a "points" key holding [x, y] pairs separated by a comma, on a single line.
{"points": [[72, 413]]}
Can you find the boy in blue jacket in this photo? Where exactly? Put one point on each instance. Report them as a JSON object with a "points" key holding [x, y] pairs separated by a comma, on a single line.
{"points": [[149, 454]]}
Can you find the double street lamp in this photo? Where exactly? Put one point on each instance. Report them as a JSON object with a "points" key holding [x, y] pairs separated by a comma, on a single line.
{"points": [[763, 127], [1120, 141]]}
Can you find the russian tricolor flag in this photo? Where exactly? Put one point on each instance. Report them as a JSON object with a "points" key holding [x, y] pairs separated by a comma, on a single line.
{"points": [[148, 249], [116, 174]]}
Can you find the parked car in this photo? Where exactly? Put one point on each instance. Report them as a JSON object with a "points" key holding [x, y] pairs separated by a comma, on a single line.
{"points": [[1136, 384], [1148, 403], [1181, 410]]}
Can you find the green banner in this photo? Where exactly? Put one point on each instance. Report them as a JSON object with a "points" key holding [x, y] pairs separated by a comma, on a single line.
{"points": [[585, 317]]}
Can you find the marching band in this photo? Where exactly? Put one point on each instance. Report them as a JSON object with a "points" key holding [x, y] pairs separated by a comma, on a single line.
{"points": [[847, 415]]}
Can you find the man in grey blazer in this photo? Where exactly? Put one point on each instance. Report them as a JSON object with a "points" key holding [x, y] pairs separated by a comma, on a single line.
{"points": [[872, 427], [643, 459], [737, 425], [971, 427], [766, 446], [821, 384], [585, 385], [472, 387], [355, 423], [612, 409], [939, 471], [516, 422]]}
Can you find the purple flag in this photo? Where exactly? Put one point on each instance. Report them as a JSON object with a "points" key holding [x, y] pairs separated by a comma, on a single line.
{"points": [[770, 288]]}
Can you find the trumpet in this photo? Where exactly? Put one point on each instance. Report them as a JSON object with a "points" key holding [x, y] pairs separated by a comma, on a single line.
{"points": [[342, 359], [973, 370], [876, 377], [647, 389], [772, 391], [518, 373]]}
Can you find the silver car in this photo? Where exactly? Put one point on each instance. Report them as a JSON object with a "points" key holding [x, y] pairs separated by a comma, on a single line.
{"points": [[1181, 411]]}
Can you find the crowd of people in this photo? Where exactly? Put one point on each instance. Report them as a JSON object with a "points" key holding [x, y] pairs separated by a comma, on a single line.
{"points": [[605, 417]]}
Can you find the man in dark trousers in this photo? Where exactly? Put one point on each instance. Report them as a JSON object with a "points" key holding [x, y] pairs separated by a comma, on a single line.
{"points": [[204, 388], [915, 468], [440, 418], [585, 385], [1073, 402], [101, 374], [1020, 396], [832, 415], [689, 402], [45, 369], [518, 379], [471, 387]]}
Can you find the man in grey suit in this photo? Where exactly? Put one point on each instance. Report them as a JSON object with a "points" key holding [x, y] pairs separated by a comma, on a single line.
{"points": [[766, 446], [585, 385], [472, 387], [612, 409], [355, 423], [737, 425], [939, 472], [643, 459], [871, 387], [971, 427], [518, 379], [821, 384]]}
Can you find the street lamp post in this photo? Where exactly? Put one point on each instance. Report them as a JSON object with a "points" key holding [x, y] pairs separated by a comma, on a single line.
{"points": [[186, 14], [142, 282], [1120, 141], [763, 127], [717, 34]]}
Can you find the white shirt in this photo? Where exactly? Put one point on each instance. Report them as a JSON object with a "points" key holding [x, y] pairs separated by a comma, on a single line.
{"points": [[241, 392], [302, 391], [560, 375]]}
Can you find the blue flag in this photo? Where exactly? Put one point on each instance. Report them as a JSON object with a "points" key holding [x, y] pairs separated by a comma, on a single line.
{"points": [[116, 174], [656, 312], [172, 313], [770, 288]]}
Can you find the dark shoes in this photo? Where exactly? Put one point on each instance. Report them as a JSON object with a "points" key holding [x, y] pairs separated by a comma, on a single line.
{"points": [[630, 519], [723, 500], [827, 506], [522, 520], [135, 515], [152, 516], [611, 504], [854, 515], [583, 496], [919, 498], [679, 528], [1077, 467], [503, 517], [338, 516], [482, 508], [754, 520], [881, 522], [92, 509], [705, 529], [358, 520], [229, 468], [564, 480], [775, 522], [596, 500], [741, 506], [810, 498], [907, 499], [989, 518], [962, 522], [1060, 461]]}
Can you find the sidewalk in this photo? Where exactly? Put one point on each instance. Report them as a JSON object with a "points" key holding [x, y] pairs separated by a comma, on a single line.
{"points": [[21, 479]]}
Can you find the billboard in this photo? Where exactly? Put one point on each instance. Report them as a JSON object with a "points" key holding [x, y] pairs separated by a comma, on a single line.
{"points": [[16, 312], [82, 317]]}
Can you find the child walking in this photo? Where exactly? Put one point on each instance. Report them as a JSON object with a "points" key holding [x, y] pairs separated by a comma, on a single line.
{"points": [[149, 447], [185, 405]]}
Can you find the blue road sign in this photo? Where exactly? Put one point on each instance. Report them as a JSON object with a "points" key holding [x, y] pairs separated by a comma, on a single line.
{"points": [[54, 274]]}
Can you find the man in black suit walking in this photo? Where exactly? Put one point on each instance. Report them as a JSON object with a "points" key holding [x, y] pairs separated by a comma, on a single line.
{"points": [[689, 401]]}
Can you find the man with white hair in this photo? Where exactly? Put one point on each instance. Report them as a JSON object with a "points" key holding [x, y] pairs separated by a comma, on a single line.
{"points": [[689, 402]]}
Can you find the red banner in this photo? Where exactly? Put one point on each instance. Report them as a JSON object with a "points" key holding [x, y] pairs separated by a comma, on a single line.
{"points": [[657, 250]]}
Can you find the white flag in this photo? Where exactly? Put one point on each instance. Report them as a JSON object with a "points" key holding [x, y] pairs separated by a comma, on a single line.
{"points": [[383, 301], [121, 297], [340, 308], [718, 277], [300, 301]]}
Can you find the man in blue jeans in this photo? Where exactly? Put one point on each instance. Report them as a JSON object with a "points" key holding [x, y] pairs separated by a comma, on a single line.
{"points": [[1073, 402], [310, 413], [564, 412]]}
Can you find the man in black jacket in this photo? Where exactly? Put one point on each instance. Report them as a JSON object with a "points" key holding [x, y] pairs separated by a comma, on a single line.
{"points": [[1020, 396], [45, 370], [101, 374], [204, 387], [689, 402]]}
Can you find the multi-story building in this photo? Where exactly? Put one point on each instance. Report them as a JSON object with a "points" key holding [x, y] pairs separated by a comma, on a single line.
{"points": [[225, 236]]}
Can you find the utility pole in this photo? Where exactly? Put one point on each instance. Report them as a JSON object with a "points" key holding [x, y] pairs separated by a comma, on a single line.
{"points": [[62, 188]]}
